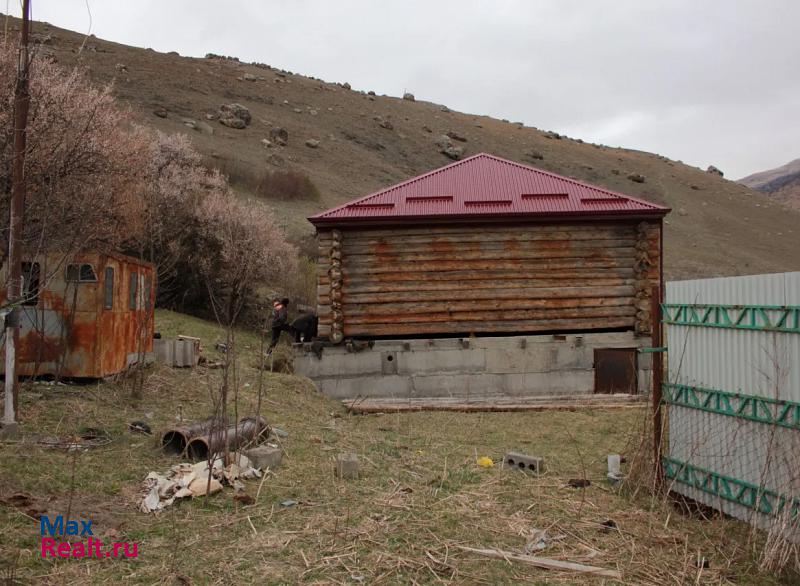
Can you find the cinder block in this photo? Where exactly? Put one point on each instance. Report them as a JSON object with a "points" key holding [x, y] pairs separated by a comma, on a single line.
{"points": [[346, 466], [265, 457], [524, 462]]}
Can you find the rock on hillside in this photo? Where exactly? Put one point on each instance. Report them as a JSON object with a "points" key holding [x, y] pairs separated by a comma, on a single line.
{"points": [[726, 228]]}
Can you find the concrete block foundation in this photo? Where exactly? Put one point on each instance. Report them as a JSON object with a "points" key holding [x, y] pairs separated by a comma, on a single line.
{"points": [[468, 368]]}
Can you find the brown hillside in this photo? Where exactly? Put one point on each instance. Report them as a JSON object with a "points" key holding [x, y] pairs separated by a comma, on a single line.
{"points": [[717, 227]]}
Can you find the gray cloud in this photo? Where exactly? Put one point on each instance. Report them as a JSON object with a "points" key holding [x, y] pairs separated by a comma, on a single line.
{"points": [[711, 82]]}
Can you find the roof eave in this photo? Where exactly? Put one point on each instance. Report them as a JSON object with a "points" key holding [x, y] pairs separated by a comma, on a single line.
{"points": [[493, 218]]}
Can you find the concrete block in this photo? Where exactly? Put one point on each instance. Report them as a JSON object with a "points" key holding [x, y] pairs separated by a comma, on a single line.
{"points": [[366, 386], [438, 361], [265, 457], [346, 466], [388, 362], [524, 462]]}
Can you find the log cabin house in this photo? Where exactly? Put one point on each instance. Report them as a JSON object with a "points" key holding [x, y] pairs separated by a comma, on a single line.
{"points": [[486, 277]]}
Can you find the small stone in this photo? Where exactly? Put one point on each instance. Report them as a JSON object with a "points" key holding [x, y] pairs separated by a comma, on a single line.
{"points": [[409, 97], [714, 171], [297, 110], [266, 143], [636, 178], [312, 143], [249, 77], [682, 212], [456, 136], [534, 155], [211, 116], [235, 111], [160, 112], [279, 136], [370, 93], [121, 67], [346, 86]]}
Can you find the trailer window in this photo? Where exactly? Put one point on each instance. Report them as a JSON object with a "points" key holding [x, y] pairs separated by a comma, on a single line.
{"points": [[109, 288], [81, 273], [133, 289], [30, 283]]}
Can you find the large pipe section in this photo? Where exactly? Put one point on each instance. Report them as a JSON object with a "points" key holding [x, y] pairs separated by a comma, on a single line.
{"points": [[213, 442]]}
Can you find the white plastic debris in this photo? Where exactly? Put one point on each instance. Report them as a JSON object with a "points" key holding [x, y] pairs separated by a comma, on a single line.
{"points": [[187, 480]]}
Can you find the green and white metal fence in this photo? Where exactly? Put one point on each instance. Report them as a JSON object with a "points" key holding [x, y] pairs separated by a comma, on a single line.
{"points": [[732, 394]]}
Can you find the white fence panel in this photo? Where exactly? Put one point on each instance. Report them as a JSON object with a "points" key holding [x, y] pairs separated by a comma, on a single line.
{"points": [[732, 384]]}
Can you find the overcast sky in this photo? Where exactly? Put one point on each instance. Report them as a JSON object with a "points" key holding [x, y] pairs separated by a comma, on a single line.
{"points": [[708, 82]]}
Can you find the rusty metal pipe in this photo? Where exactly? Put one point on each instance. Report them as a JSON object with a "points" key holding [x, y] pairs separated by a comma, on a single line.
{"points": [[175, 440], [248, 429]]}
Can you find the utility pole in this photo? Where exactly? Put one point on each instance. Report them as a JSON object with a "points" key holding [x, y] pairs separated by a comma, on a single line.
{"points": [[14, 282]]}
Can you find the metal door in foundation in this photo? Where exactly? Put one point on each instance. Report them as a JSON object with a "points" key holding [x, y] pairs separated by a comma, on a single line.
{"points": [[615, 370]]}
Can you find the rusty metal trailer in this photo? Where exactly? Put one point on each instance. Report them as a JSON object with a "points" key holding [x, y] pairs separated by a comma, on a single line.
{"points": [[90, 316]]}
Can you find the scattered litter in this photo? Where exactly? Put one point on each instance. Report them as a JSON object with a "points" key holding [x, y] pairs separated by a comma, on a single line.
{"points": [[578, 482], [541, 540], [288, 503], [88, 437], [279, 432], [190, 480], [485, 462], [614, 475], [221, 347], [608, 525], [140, 427]]}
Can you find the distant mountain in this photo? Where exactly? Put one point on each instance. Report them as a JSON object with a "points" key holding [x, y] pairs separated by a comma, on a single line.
{"points": [[782, 183]]}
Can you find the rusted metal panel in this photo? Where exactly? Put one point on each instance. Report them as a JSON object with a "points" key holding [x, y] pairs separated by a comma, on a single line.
{"points": [[615, 370], [80, 324]]}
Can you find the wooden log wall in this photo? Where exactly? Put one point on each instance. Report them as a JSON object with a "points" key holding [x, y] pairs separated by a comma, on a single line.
{"points": [[492, 278]]}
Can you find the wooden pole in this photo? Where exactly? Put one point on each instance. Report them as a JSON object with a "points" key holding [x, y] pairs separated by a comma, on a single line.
{"points": [[658, 372], [14, 282]]}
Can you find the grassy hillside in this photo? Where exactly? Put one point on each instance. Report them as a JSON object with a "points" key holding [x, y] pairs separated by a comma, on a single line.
{"points": [[717, 227]]}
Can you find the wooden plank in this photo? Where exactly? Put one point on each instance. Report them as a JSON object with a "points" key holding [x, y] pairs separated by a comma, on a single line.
{"points": [[483, 265], [486, 239], [490, 275], [456, 304], [363, 286], [485, 327], [482, 315], [546, 563], [528, 293], [403, 258]]}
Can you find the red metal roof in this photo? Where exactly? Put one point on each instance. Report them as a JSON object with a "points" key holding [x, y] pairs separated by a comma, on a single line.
{"points": [[482, 187]]}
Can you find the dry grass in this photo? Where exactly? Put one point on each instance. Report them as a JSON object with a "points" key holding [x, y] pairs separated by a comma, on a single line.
{"points": [[420, 494]]}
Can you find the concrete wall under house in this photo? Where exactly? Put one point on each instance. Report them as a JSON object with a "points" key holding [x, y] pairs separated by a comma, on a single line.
{"points": [[468, 368]]}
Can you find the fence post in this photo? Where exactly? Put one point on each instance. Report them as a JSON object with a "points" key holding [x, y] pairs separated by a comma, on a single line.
{"points": [[655, 393]]}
